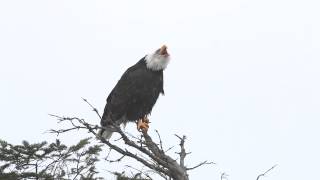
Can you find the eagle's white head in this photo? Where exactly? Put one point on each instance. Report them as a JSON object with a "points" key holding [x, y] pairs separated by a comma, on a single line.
{"points": [[158, 60]]}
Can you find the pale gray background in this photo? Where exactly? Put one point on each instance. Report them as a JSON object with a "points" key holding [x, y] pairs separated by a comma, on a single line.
{"points": [[243, 83]]}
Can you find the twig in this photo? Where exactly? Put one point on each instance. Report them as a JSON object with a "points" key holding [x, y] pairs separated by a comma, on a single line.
{"points": [[160, 141], [223, 176], [140, 171], [117, 160], [265, 173], [93, 108], [169, 149], [200, 164]]}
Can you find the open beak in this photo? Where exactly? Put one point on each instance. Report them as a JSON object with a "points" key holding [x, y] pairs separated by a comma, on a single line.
{"points": [[163, 50]]}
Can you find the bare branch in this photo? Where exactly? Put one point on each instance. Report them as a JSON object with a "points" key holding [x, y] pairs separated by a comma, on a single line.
{"points": [[182, 153], [200, 164], [169, 149], [176, 171], [265, 173], [223, 176], [140, 171], [160, 141], [93, 108], [117, 160]]}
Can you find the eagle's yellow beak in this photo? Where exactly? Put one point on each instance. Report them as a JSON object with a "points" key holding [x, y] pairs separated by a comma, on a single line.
{"points": [[163, 50]]}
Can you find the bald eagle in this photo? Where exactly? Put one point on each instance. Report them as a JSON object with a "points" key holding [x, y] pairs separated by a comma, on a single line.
{"points": [[135, 94]]}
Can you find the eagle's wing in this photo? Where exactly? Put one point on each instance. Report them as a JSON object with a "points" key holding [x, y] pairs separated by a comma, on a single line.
{"points": [[124, 93]]}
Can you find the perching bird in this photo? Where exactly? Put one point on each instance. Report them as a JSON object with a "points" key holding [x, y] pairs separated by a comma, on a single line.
{"points": [[135, 94]]}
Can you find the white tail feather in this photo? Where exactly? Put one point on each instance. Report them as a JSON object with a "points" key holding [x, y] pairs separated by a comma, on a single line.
{"points": [[106, 134]]}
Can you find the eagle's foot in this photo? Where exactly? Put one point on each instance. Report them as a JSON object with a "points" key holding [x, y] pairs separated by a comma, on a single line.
{"points": [[143, 124]]}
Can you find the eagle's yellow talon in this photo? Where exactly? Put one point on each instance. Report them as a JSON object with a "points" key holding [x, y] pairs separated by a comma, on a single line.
{"points": [[143, 124]]}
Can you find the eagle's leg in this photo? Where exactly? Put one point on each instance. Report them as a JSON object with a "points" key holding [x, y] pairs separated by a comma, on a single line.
{"points": [[143, 124]]}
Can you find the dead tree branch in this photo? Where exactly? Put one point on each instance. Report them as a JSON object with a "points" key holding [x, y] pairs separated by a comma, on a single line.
{"points": [[150, 154], [223, 176], [265, 173]]}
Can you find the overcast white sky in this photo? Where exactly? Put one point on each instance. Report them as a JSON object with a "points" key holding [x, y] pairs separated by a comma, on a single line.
{"points": [[243, 83]]}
